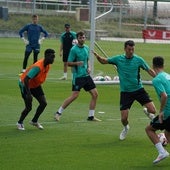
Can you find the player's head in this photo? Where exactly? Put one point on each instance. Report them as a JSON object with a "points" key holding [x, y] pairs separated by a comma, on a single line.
{"points": [[49, 56], [81, 37], [34, 18], [129, 47], [67, 27], [158, 62], [129, 43], [80, 33]]}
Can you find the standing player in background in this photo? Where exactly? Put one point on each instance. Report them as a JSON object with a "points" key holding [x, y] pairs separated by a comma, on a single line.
{"points": [[30, 85], [33, 40], [66, 39], [79, 61], [161, 84], [131, 88]]}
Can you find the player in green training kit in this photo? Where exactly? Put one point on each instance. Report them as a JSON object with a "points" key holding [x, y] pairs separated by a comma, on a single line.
{"points": [[66, 39], [131, 88], [79, 61], [161, 84]]}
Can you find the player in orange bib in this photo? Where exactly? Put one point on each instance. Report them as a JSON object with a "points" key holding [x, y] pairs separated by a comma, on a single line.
{"points": [[30, 86]]}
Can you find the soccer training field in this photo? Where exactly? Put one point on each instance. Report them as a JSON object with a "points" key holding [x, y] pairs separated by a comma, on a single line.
{"points": [[73, 143]]}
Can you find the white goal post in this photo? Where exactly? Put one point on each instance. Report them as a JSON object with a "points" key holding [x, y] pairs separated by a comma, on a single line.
{"points": [[93, 19]]}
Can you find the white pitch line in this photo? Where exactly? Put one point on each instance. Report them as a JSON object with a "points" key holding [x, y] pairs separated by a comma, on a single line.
{"points": [[80, 121]]}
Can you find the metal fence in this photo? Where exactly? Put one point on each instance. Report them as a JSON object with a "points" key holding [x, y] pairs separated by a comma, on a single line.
{"points": [[40, 7], [49, 6], [128, 8]]}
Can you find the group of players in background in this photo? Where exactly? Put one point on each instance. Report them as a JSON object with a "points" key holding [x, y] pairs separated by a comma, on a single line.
{"points": [[77, 56]]}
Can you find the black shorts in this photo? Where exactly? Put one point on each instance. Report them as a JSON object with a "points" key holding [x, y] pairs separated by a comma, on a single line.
{"points": [[161, 126], [127, 98], [83, 82], [65, 56], [36, 92]]}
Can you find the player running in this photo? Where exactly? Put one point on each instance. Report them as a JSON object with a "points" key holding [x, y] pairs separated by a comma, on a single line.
{"points": [[131, 88], [161, 84]]}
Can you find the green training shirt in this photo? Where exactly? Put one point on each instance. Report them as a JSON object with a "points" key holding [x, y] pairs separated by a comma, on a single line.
{"points": [[66, 39], [161, 84], [129, 71], [79, 54]]}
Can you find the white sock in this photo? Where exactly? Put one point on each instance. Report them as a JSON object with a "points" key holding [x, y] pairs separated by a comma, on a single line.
{"points": [[150, 115], [60, 110], [65, 75], [127, 127], [23, 70], [160, 148], [91, 113]]}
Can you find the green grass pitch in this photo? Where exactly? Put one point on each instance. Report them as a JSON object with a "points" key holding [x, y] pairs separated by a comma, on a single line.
{"points": [[73, 143]]}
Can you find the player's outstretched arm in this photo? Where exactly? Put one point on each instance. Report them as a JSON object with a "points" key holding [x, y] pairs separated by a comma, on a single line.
{"points": [[151, 72], [102, 60]]}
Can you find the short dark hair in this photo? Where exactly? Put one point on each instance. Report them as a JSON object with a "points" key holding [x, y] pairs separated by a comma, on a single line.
{"points": [[80, 33], [158, 61], [48, 52], [34, 16], [67, 25], [129, 43]]}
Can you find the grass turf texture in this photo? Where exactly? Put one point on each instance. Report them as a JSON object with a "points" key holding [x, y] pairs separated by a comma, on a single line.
{"points": [[73, 143]]}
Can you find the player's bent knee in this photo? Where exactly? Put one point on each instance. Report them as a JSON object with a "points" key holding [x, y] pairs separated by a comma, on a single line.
{"points": [[28, 109], [43, 104]]}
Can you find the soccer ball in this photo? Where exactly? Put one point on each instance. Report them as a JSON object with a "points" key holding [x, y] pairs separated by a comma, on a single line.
{"points": [[74, 42], [162, 139], [107, 78], [98, 78], [116, 78]]}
